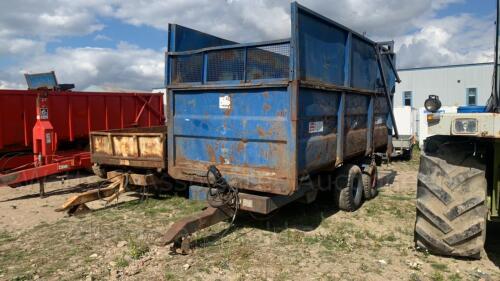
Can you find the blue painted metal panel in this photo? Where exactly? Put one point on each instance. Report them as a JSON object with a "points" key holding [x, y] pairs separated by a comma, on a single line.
{"points": [[322, 50], [317, 129], [182, 38], [364, 71], [247, 131], [471, 109], [356, 124]]}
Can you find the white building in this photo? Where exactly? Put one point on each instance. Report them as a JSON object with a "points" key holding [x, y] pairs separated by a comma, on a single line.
{"points": [[456, 85]]}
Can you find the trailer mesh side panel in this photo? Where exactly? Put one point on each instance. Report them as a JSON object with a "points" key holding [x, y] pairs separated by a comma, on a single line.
{"points": [[241, 64], [226, 65], [187, 69], [268, 62]]}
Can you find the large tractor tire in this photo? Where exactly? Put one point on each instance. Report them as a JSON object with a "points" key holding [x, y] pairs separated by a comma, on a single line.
{"points": [[451, 210]]}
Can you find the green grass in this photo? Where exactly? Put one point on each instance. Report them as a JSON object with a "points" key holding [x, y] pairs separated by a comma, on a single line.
{"points": [[439, 266], [437, 276], [137, 249], [5, 237], [455, 277], [121, 262]]}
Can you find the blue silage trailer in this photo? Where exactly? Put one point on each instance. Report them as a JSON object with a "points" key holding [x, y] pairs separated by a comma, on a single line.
{"points": [[256, 126]]}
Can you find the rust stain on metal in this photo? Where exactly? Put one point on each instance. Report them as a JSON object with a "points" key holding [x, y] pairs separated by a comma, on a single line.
{"points": [[222, 160], [241, 146], [261, 132], [355, 142], [101, 145], [267, 107], [125, 146], [150, 146], [266, 94], [228, 111], [211, 153]]}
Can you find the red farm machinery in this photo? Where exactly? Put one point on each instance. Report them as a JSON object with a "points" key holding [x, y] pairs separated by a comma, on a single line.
{"points": [[45, 130]]}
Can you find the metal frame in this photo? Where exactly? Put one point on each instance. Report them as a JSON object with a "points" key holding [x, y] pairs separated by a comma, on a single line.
{"points": [[293, 84], [205, 51]]}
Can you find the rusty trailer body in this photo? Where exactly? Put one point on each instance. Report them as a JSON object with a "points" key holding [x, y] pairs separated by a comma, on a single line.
{"points": [[270, 115], [131, 147]]}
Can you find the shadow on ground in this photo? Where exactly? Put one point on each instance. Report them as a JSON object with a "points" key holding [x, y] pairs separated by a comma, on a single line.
{"points": [[303, 217], [492, 246], [81, 187]]}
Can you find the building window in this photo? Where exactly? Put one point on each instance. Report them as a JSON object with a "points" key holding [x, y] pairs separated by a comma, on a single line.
{"points": [[407, 98], [471, 98]]}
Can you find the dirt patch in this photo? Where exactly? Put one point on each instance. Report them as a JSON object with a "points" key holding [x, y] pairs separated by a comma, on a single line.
{"points": [[21, 208], [299, 242]]}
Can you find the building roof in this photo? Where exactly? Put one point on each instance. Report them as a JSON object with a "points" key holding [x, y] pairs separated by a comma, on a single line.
{"points": [[445, 66]]}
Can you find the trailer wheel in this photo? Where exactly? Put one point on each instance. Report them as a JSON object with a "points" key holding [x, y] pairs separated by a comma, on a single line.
{"points": [[349, 188], [370, 179], [407, 154], [451, 210], [99, 171]]}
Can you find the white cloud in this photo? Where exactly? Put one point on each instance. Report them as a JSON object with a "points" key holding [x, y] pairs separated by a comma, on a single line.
{"points": [[26, 26], [20, 46], [250, 20], [101, 37], [49, 19], [449, 40], [127, 66]]}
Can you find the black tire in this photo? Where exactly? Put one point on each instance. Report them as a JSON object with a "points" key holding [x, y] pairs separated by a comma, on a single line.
{"points": [[349, 188], [407, 154], [451, 210], [100, 171], [370, 180]]}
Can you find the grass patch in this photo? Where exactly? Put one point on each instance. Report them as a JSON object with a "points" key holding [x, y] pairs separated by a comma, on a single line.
{"points": [[439, 266], [455, 277], [397, 197], [414, 277], [437, 276], [137, 249], [121, 262], [170, 276], [388, 237], [5, 237]]}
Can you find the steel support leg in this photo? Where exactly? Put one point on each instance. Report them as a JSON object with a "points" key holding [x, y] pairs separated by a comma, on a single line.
{"points": [[41, 183], [180, 231]]}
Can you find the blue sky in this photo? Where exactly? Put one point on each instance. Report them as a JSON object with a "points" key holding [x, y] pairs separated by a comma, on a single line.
{"points": [[120, 43]]}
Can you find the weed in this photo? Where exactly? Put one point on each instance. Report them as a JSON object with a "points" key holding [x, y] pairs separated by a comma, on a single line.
{"points": [[439, 266], [137, 249], [437, 276], [170, 276], [364, 267], [5, 237], [121, 262], [388, 237], [455, 277], [414, 277]]}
